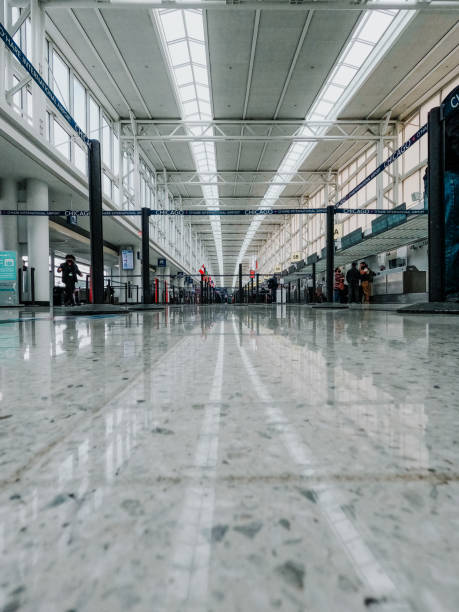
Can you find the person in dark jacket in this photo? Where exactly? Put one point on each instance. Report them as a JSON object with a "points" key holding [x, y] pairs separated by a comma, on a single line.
{"points": [[272, 284], [70, 272], [353, 280]]}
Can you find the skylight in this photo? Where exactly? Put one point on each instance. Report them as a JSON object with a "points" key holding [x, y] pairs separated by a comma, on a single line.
{"points": [[182, 34], [372, 37]]}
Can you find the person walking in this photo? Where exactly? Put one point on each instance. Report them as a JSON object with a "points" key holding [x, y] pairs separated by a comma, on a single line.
{"points": [[70, 272], [365, 277], [353, 280], [338, 286]]}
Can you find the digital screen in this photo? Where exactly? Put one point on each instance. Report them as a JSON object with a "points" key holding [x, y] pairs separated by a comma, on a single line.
{"points": [[451, 192], [127, 258]]}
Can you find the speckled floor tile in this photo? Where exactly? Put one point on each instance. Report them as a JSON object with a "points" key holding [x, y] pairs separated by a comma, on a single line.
{"points": [[230, 459]]}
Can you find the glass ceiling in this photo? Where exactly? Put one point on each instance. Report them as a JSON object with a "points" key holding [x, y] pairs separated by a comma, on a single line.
{"points": [[182, 34], [374, 34]]}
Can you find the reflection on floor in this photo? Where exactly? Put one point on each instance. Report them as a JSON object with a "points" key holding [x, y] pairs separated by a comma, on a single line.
{"points": [[230, 458]]}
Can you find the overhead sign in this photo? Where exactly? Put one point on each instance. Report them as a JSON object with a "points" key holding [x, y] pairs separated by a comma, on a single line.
{"points": [[277, 268], [296, 256], [8, 270], [161, 263], [338, 231]]}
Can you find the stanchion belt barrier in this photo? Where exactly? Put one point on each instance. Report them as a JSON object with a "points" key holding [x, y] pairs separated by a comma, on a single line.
{"points": [[270, 211]]}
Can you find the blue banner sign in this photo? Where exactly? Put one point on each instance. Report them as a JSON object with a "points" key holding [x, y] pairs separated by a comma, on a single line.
{"points": [[390, 160], [206, 213], [22, 58]]}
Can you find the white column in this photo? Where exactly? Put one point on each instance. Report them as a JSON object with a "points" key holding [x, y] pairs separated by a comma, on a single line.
{"points": [[38, 238], [9, 225]]}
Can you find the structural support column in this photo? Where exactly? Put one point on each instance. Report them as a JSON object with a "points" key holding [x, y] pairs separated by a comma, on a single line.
{"points": [[241, 297], [95, 222], [9, 224], [314, 282], [38, 239], [330, 244], [146, 256], [436, 246]]}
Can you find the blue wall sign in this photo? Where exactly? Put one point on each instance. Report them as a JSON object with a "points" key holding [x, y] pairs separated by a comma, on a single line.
{"points": [[161, 263], [8, 271]]}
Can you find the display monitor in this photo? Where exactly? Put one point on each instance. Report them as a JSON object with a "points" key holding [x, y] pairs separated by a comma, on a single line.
{"points": [[127, 259]]}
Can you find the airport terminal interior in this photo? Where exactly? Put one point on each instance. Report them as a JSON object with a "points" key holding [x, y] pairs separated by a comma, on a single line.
{"points": [[229, 288]]}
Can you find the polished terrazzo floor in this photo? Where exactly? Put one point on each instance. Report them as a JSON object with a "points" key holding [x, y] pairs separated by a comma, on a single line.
{"points": [[229, 459]]}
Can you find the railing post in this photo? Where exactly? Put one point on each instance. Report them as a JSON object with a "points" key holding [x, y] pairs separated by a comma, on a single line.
{"points": [[330, 251], [95, 222], [146, 255], [241, 297]]}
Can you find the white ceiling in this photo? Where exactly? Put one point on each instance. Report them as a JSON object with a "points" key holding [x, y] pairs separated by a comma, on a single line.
{"points": [[292, 53]]}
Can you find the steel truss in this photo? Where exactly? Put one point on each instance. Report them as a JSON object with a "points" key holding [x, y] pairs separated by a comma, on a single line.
{"points": [[183, 179], [256, 130]]}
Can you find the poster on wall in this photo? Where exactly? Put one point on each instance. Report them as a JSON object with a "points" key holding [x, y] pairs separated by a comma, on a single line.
{"points": [[450, 112]]}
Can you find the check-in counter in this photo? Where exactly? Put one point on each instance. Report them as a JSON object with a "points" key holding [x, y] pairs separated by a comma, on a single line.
{"points": [[399, 281]]}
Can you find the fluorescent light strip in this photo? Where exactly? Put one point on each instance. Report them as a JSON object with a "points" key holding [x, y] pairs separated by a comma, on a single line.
{"points": [[182, 34], [373, 36]]}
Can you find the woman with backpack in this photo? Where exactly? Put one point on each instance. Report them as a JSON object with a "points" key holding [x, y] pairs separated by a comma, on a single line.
{"points": [[365, 280]]}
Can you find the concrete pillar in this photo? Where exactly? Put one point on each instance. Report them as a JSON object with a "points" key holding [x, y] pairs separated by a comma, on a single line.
{"points": [[9, 225], [38, 238]]}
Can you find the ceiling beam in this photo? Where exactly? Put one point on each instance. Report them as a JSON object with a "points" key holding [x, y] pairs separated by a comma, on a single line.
{"points": [[330, 5]]}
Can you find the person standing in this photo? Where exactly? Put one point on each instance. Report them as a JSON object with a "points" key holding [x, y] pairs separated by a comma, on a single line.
{"points": [[353, 280], [70, 272], [338, 286], [272, 284], [310, 284], [365, 277]]}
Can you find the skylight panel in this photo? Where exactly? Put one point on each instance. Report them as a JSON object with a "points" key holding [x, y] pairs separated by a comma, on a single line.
{"points": [[344, 75], [200, 75], [333, 93], [179, 53], [188, 92], [205, 109], [174, 28], [183, 75], [203, 93], [198, 52], [194, 25], [357, 54], [374, 27], [190, 107]]}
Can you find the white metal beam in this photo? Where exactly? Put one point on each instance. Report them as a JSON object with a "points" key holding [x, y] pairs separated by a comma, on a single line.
{"points": [[330, 5]]}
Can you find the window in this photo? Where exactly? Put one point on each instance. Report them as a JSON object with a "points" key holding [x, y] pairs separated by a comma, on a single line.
{"points": [[79, 104], [107, 186], [61, 140], [106, 143], [116, 154], [61, 77], [94, 127], [80, 158]]}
